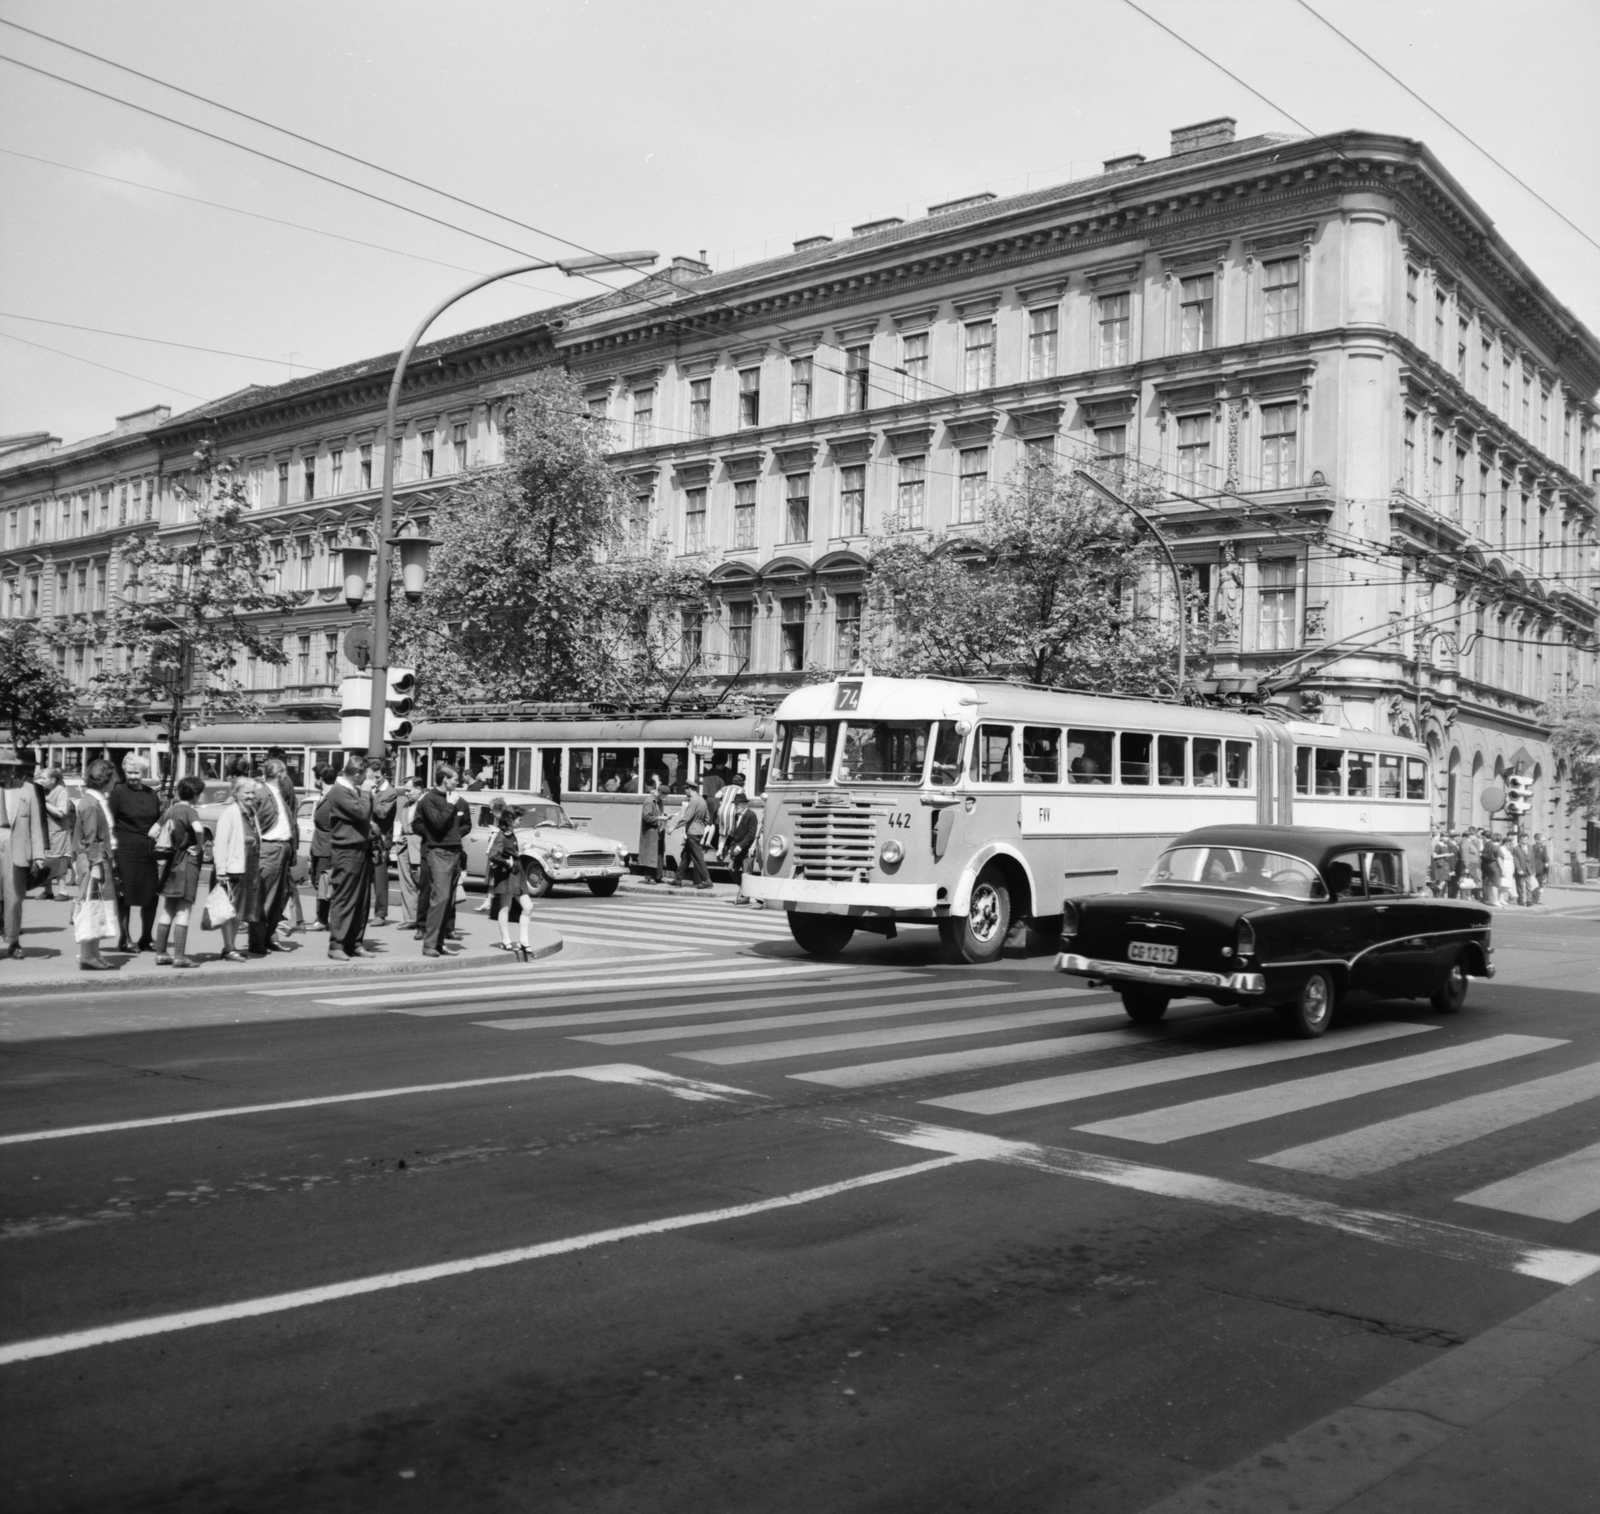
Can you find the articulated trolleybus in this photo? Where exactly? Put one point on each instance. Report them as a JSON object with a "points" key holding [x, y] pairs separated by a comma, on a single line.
{"points": [[973, 804]]}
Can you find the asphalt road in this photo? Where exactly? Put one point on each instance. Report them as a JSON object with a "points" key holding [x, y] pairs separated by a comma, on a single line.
{"points": [[649, 1253]]}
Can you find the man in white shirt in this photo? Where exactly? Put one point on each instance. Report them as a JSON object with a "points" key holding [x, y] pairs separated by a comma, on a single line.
{"points": [[276, 819]]}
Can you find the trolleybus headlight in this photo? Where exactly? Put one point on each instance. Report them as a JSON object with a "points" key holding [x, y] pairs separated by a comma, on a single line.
{"points": [[777, 847], [1069, 919], [891, 853]]}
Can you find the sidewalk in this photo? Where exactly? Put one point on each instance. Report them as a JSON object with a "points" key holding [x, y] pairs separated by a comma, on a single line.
{"points": [[50, 964], [1505, 1422]]}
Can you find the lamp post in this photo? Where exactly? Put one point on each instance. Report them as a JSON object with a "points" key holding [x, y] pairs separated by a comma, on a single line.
{"points": [[413, 550], [1172, 562]]}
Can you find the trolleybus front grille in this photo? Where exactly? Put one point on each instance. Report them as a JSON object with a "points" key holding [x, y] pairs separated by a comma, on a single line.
{"points": [[834, 842]]}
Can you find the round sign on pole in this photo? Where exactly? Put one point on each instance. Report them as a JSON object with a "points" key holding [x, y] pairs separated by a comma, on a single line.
{"points": [[1494, 799], [358, 645]]}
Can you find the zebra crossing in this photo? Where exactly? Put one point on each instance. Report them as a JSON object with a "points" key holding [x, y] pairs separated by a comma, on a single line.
{"points": [[641, 919], [863, 1029]]}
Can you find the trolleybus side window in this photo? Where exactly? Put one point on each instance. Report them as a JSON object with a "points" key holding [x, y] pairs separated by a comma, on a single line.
{"points": [[805, 750], [946, 755], [1416, 778], [1302, 770], [1330, 771], [1358, 775], [883, 751], [580, 769], [1133, 757], [1172, 760], [1089, 756], [1238, 764], [1388, 776], [991, 754], [1207, 762], [1041, 754]]}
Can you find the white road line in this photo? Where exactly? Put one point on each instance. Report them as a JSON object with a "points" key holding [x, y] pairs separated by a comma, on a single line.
{"points": [[616, 1072], [811, 1046], [699, 938], [920, 1005], [620, 979], [1564, 1190], [1454, 1242], [684, 917], [1373, 1148], [658, 1011], [1171, 1069], [904, 1069], [506, 968], [1179, 1122], [165, 1324]]}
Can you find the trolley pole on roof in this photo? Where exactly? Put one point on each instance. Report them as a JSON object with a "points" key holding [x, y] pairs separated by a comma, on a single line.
{"points": [[596, 263], [1172, 562]]}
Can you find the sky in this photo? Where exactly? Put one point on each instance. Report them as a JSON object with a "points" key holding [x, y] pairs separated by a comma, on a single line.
{"points": [[678, 125]]}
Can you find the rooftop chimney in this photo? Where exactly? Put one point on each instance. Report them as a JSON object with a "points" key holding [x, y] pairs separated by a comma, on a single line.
{"points": [[964, 203], [866, 228], [142, 420], [1214, 133], [1127, 160], [805, 244], [697, 266]]}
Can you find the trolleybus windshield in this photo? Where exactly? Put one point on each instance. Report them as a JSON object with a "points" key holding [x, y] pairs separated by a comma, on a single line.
{"points": [[884, 751]]}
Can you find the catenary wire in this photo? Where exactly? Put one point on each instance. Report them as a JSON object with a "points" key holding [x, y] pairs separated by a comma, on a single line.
{"points": [[170, 388], [254, 357]]}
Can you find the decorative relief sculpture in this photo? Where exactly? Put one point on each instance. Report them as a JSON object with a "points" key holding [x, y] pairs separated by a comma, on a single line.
{"points": [[1229, 613]]}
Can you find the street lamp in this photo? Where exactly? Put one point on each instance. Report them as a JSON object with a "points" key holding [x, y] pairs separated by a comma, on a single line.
{"points": [[414, 550], [1172, 562]]}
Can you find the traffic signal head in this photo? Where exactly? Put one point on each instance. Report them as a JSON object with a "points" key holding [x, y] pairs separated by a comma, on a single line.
{"points": [[1519, 794], [397, 704]]}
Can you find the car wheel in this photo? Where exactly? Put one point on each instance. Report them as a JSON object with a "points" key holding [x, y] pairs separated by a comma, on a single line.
{"points": [[1450, 990], [980, 934], [1144, 1006], [538, 881], [1311, 1012], [820, 935], [603, 888]]}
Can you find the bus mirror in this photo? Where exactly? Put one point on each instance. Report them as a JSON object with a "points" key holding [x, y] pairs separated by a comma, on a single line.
{"points": [[963, 727]]}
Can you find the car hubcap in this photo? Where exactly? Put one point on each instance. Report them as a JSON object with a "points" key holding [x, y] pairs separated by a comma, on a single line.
{"points": [[1316, 1002], [985, 915]]}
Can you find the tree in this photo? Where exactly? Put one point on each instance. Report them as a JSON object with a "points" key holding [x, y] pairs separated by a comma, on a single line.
{"points": [[537, 587], [1575, 740], [35, 700], [1042, 590], [192, 608]]}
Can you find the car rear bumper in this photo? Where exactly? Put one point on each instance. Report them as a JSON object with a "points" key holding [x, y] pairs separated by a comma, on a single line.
{"points": [[1163, 977]]}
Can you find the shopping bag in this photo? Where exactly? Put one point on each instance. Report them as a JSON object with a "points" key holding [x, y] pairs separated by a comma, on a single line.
{"points": [[219, 908], [93, 918]]}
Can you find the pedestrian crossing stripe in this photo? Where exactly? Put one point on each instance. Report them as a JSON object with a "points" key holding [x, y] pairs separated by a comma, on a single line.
{"points": [[506, 969], [1424, 1132], [1180, 1122], [1070, 1087], [1564, 1190], [974, 1058]]}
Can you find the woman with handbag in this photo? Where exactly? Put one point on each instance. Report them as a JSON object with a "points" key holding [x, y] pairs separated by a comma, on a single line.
{"points": [[135, 809], [179, 844], [236, 856], [95, 915]]}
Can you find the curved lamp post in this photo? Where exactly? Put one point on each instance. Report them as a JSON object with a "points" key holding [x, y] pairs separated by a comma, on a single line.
{"points": [[413, 550], [1172, 562]]}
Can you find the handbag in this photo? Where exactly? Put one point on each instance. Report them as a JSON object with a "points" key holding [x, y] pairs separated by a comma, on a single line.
{"points": [[161, 833], [219, 907], [93, 916]]}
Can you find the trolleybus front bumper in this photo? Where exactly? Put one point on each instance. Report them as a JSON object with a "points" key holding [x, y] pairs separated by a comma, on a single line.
{"points": [[1178, 978], [821, 896]]}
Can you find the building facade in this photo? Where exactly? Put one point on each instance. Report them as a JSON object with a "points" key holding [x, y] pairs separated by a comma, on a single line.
{"points": [[1375, 425]]}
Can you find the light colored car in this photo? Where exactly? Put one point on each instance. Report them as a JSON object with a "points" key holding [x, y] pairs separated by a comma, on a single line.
{"points": [[561, 852]]}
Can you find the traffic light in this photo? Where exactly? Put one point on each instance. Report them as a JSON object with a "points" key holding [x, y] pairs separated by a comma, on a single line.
{"points": [[397, 702], [1519, 794], [355, 712]]}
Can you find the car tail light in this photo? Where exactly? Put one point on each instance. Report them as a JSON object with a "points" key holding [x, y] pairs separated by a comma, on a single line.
{"points": [[1247, 939], [1069, 919]]}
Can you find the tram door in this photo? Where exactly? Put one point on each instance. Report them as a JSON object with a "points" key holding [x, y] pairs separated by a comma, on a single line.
{"points": [[550, 770]]}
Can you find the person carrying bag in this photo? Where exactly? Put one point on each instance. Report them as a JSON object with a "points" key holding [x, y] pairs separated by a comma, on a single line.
{"points": [[95, 914]]}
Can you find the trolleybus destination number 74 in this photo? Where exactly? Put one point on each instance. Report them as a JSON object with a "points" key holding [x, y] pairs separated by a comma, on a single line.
{"points": [[972, 805]]}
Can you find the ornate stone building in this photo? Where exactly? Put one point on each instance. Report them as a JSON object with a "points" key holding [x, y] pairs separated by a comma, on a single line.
{"points": [[1376, 425]]}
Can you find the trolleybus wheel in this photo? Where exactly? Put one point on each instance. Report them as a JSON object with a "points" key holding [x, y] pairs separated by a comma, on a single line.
{"points": [[603, 888], [1144, 1006], [820, 935], [980, 934]]}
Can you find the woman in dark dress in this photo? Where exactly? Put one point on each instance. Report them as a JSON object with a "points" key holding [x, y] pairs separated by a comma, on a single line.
{"points": [[135, 807], [180, 875], [510, 893]]}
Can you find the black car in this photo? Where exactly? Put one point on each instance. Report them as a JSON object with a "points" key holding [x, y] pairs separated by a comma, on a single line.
{"points": [[1277, 915]]}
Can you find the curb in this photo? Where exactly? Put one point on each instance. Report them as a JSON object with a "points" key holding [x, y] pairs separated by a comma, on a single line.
{"points": [[411, 967]]}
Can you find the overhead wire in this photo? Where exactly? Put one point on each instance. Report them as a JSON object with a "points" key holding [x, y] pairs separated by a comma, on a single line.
{"points": [[170, 388], [39, 320]]}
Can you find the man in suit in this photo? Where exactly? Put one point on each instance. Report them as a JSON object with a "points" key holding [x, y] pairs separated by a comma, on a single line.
{"points": [[695, 820], [742, 836], [442, 819], [407, 847], [1539, 857], [385, 800], [275, 817], [346, 811], [22, 841]]}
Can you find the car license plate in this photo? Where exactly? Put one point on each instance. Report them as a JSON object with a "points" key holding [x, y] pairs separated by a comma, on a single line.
{"points": [[1149, 951], [590, 872]]}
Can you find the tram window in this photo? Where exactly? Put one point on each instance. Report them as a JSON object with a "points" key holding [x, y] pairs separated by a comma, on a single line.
{"points": [[805, 750], [519, 768], [1133, 758], [668, 763], [207, 762], [1416, 778], [580, 770], [735, 762], [1172, 760], [1302, 770], [1330, 772], [1041, 754], [452, 756], [1358, 775], [991, 754], [1089, 756], [1388, 776], [946, 755], [1207, 762], [1238, 770], [486, 768], [619, 770], [763, 764]]}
